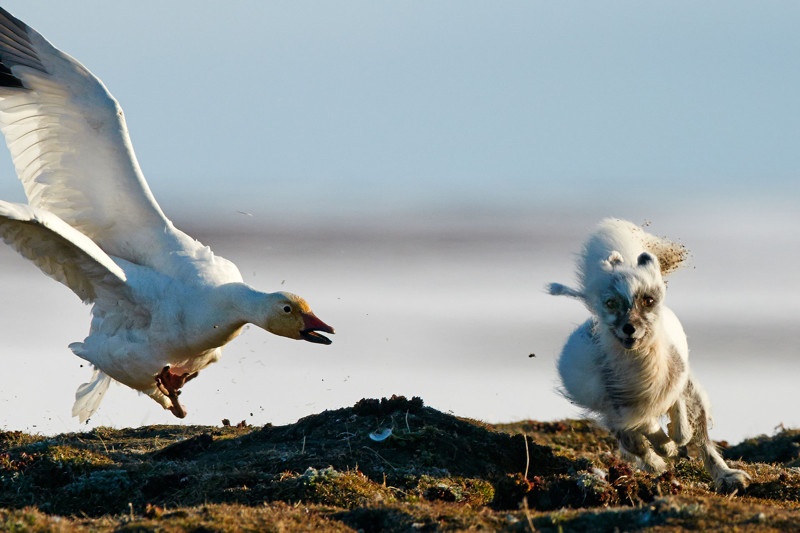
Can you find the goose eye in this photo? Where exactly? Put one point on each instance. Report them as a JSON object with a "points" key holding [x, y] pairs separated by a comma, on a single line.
{"points": [[287, 309]]}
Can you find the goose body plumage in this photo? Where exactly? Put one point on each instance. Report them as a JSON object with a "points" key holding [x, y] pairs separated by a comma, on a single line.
{"points": [[163, 304]]}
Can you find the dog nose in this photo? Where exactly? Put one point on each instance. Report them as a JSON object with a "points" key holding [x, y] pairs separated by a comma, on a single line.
{"points": [[628, 329]]}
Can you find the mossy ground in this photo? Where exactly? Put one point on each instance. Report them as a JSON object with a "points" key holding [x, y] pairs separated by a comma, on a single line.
{"points": [[388, 465]]}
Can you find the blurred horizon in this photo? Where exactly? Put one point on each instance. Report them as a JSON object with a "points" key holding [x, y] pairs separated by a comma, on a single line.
{"points": [[446, 309]]}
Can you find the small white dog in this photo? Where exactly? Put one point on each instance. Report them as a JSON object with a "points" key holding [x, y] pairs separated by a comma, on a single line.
{"points": [[629, 363]]}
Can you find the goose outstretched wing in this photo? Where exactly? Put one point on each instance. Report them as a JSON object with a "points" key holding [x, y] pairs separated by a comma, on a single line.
{"points": [[70, 145]]}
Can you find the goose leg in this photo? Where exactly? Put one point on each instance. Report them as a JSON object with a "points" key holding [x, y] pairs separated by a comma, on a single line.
{"points": [[170, 384]]}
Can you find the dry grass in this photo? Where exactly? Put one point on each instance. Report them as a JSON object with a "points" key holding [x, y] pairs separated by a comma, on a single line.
{"points": [[435, 472]]}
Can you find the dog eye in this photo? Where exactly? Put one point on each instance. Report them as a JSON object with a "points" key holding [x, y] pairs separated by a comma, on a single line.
{"points": [[611, 304], [648, 301]]}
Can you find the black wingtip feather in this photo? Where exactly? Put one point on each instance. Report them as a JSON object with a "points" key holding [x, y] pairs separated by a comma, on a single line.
{"points": [[7, 79], [15, 50]]}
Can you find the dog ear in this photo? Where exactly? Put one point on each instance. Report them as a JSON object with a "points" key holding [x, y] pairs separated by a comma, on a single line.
{"points": [[648, 260], [614, 259]]}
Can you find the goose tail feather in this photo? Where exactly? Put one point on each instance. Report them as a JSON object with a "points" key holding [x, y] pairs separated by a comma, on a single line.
{"points": [[89, 395]]}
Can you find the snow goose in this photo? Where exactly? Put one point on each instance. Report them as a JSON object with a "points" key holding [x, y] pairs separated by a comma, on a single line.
{"points": [[163, 304]]}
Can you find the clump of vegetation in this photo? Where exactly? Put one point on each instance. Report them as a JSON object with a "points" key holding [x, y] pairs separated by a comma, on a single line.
{"points": [[783, 447], [328, 486], [382, 465]]}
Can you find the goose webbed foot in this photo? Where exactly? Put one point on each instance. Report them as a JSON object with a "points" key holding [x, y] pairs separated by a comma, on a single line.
{"points": [[170, 385]]}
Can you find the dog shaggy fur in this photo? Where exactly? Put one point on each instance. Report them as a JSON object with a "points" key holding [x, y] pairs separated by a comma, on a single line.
{"points": [[629, 363]]}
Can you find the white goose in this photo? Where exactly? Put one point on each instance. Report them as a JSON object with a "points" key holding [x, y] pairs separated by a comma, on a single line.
{"points": [[163, 304]]}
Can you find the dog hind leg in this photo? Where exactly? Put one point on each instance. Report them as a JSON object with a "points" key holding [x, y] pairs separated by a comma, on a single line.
{"points": [[679, 427]]}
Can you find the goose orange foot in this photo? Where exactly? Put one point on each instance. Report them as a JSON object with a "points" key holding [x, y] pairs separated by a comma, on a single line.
{"points": [[170, 385]]}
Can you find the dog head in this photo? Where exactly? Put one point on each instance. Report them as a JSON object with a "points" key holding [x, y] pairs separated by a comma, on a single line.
{"points": [[627, 299]]}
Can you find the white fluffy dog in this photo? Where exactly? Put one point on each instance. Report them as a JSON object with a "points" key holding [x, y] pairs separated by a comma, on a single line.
{"points": [[629, 363]]}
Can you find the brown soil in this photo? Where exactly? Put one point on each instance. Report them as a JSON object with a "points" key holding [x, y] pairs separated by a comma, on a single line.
{"points": [[388, 465]]}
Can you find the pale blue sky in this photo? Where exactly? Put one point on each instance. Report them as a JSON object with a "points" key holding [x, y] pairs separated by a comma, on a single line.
{"points": [[365, 106]]}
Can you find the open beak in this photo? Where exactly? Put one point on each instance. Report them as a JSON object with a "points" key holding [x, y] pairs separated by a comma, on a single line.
{"points": [[312, 325]]}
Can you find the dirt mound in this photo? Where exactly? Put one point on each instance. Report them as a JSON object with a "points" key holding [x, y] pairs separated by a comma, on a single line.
{"points": [[382, 465]]}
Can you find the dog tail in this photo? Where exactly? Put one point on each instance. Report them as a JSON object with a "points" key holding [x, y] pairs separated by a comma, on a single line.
{"points": [[557, 289]]}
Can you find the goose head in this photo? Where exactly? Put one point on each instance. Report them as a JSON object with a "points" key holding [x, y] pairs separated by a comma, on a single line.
{"points": [[291, 316]]}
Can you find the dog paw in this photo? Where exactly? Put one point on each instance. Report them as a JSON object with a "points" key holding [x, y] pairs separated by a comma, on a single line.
{"points": [[732, 481], [681, 436], [654, 464], [667, 449], [680, 430]]}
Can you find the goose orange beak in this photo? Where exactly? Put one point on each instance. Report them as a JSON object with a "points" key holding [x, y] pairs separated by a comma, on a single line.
{"points": [[311, 326]]}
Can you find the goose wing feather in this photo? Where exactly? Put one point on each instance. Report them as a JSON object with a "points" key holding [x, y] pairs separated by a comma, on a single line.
{"points": [[70, 145], [61, 252]]}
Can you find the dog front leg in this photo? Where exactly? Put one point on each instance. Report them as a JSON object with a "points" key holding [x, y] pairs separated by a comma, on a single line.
{"points": [[633, 442], [662, 444], [726, 479]]}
